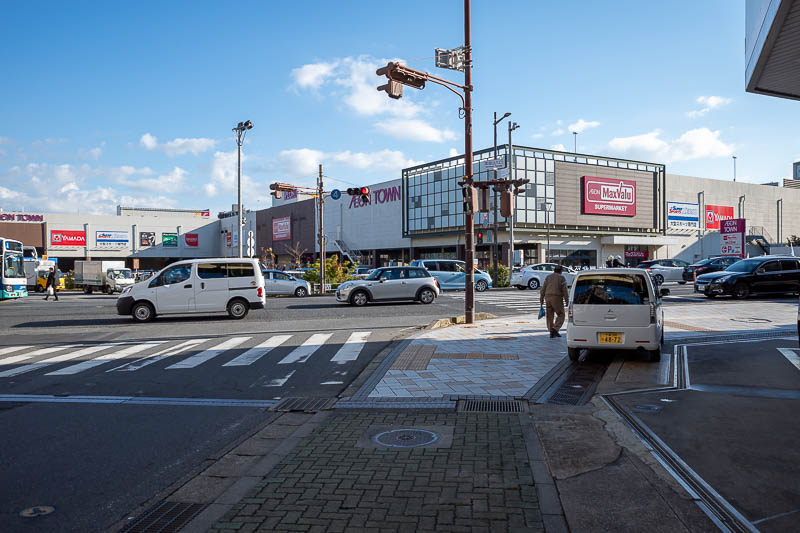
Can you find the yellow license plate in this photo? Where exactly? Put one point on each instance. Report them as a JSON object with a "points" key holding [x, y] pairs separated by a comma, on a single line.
{"points": [[610, 338]]}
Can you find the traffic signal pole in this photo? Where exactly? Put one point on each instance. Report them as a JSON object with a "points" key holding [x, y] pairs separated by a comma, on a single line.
{"points": [[469, 218], [321, 204]]}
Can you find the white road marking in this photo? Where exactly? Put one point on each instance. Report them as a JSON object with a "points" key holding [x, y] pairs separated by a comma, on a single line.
{"points": [[257, 352], [158, 356], [57, 359], [105, 358], [14, 359], [791, 355], [279, 382], [211, 353], [332, 383], [12, 349], [305, 350], [352, 347]]}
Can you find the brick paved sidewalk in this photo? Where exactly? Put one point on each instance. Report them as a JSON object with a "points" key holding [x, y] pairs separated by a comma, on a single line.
{"points": [[336, 480]]}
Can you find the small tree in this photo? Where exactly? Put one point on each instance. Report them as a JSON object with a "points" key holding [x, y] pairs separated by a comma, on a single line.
{"points": [[502, 276], [296, 252], [335, 272], [267, 257]]}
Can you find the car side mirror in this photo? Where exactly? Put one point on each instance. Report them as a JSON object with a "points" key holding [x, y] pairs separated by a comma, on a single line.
{"points": [[760, 271], [664, 292], [381, 280]]}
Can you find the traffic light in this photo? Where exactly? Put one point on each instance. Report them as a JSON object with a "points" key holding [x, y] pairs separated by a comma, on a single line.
{"points": [[470, 199], [480, 237], [394, 89], [276, 191], [399, 75], [365, 195], [507, 204]]}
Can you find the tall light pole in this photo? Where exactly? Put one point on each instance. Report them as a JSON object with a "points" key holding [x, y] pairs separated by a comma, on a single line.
{"points": [[734, 168], [496, 246], [575, 137], [547, 207], [240, 130], [510, 220]]}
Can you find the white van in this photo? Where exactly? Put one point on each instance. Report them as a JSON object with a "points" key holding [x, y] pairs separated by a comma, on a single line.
{"points": [[197, 286], [615, 309]]}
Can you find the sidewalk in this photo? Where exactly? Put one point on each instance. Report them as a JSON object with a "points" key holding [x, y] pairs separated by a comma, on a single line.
{"points": [[397, 455]]}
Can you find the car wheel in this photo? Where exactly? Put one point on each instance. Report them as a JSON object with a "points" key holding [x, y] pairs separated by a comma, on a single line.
{"points": [[681, 283], [574, 353], [238, 309], [39, 288], [301, 292], [741, 291], [533, 284], [711, 296], [426, 296], [142, 312], [659, 279], [481, 285], [654, 355], [359, 298], [520, 287]]}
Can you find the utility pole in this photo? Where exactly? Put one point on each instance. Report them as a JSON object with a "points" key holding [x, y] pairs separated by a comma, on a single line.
{"points": [[510, 220], [321, 203], [575, 137], [240, 130], [495, 227], [469, 218]]}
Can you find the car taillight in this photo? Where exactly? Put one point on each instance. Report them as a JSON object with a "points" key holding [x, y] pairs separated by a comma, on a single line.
{"points": [[570, 313], [700, 269], [260, 292], [436, 282], [652, 313]]}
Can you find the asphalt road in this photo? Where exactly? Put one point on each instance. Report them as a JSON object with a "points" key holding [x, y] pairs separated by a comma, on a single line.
{"points": [[735, 425]]}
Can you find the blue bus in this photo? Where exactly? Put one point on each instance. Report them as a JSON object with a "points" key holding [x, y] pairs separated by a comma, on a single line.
{"points": [[13, 283]]}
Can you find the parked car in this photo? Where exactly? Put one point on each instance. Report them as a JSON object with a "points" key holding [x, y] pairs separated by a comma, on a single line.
{"points": [[615, 309], [390, 283], [663, 270], [451, 274], [197, 286], [706, 266], [362, 272], [764, 274], [142, 275], [532, 276], [279, 282]]}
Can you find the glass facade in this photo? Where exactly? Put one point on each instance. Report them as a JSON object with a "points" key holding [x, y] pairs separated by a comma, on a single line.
{"points": [[432, 198]]}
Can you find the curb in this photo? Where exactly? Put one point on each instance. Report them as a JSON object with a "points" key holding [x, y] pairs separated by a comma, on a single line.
{"points": [[454, 320]]}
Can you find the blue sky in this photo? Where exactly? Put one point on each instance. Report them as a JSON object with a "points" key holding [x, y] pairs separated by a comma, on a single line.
{"points": [[108, 102]]}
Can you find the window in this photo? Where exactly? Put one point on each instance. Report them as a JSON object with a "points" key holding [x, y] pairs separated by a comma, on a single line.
{"points": [[431, 265], [789, 264], [679, 263], [211, 270], [267, 274], [391, 274], [176, 274], [614, 289], [771, 266], [417, 273], [448, 266], [283, 277], [240, 270]]}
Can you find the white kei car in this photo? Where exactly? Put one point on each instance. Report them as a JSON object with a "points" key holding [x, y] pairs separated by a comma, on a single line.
{"points": [[532, 276], [615, 309]]}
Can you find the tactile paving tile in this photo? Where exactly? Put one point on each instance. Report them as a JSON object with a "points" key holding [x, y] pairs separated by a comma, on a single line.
{"points": [[686, 327]]}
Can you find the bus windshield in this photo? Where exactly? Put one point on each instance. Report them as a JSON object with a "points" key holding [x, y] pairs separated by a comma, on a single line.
{"points": [[13, 266]]}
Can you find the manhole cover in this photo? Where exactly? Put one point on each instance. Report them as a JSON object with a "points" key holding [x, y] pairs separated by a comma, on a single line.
{"points": [[406, 438]]}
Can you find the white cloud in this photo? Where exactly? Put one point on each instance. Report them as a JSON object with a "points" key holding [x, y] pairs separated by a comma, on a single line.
{"points": [[537, 135], [178, 146], [559, 122], [8, 194], [353, 82], [453, 152], [559, 147], [146, 201], [557, 132], [92, 153], [304, 162], [69, 187], [582, 125], [709, 103], [384, 159], [301, 162], [170, 182], [415, 130], [697, 143], [5, 140]]}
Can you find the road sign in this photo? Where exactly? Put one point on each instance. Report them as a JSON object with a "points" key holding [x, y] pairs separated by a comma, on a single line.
{"points": [[498, 163], [485, 221], [336, 194], [251, 251], [136, 263]]}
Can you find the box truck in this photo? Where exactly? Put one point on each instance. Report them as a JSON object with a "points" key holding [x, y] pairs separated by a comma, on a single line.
{"points": [[105, 276]]}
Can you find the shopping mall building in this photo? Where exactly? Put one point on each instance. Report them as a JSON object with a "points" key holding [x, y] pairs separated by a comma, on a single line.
{"points": [[576, 209]]}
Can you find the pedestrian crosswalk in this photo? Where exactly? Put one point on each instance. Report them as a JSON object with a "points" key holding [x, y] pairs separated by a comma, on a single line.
{"points": [[173, 355], [522, 301]]}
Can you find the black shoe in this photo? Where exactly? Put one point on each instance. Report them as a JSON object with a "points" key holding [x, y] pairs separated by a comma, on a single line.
{"points": [[556, 333], [552, 333]]}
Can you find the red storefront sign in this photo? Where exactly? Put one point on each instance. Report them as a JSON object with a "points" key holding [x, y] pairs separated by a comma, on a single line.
{"points": [[192, 239], [609, 196], [60, 237], [715, 213], [281, 228], [637, 254], [732, 234]]}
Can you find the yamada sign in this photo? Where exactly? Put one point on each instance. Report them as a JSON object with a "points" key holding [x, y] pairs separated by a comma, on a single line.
{"points": [[60, 237], [609, 196], [716, 213]]}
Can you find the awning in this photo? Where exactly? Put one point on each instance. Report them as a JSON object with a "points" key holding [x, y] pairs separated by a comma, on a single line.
{"points": [[635, 239]]}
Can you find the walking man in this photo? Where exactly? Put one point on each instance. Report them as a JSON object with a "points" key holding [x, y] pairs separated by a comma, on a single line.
{"points": [[51, 284], [553, 295]]}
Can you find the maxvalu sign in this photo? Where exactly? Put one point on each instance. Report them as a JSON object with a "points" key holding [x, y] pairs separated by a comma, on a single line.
{"points": [[609, 196]]}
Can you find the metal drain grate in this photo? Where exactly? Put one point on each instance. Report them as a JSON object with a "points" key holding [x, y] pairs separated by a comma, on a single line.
{"points": [[304, 404], [490, 406], [406, 438], [166, 517], [578, 388]]}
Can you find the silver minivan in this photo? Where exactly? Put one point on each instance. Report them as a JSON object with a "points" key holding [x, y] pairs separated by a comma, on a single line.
{"points": [[615, 309], [197, 286]]}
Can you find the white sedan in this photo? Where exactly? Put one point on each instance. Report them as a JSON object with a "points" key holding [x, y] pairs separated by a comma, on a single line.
{"points": [[532, 276]]}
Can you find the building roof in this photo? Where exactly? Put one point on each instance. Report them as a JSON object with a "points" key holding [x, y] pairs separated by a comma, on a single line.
{"points": [[772, 48]]}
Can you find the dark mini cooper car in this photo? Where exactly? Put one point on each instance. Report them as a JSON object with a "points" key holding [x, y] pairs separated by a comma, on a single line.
{"points": [[712, 264], [765, 274]]}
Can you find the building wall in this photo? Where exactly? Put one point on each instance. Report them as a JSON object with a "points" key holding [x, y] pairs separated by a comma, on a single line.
{"points": [[302, 230], [569, 196], [29, 234], [227, 226]]}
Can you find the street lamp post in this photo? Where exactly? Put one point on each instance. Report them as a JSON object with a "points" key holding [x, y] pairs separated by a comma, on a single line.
{"points": [[496, 245], [575, 137], [734, 168], [510, 220], [240, 130]]}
